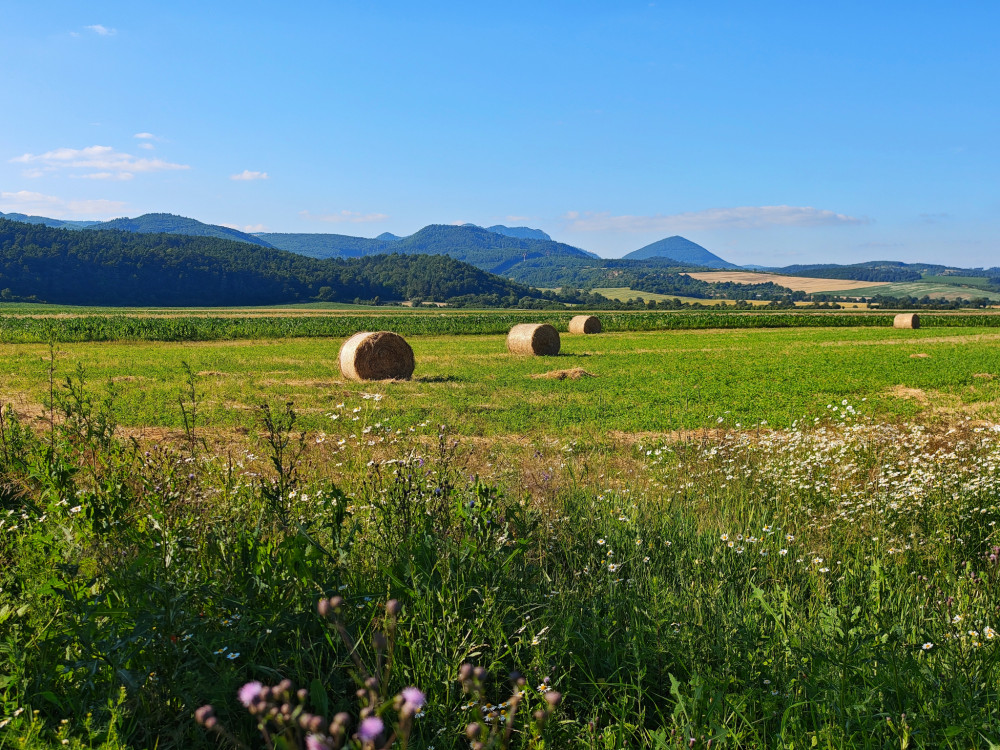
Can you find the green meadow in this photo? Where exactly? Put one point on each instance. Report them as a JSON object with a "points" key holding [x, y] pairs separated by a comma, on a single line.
{"points": [[631, 382], [767, 537]]}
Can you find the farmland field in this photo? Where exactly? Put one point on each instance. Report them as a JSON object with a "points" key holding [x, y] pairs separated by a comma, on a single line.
{"points": [[795, 283], [703, 537], [929, 288], [673, 380]]}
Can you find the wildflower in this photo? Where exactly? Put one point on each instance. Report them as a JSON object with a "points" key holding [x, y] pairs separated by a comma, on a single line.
{"points": [[927, 646], [314, 742], [370, 729], [600, 542], [413, 697], [77, 509], [233, 656], [250, 692], [782, 552], [824, 570], [956, 619], [724, 537]]}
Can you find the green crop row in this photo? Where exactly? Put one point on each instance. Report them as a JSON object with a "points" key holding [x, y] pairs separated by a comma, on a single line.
{"points": [[15, 329]]}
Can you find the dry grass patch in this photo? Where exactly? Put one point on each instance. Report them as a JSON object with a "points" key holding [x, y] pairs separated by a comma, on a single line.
{"points": [[902, 391], [574, 373]]}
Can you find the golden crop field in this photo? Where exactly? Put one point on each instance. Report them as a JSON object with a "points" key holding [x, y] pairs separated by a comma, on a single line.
{"points": [[795, 283]]}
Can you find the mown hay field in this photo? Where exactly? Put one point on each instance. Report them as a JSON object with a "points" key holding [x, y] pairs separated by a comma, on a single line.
{"points": [[644, 381]]}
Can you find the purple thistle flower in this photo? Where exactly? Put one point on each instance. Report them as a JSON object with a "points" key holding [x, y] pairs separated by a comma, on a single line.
{"points": [[370, 729], [249, 693], [413, 698], [315, 743]]}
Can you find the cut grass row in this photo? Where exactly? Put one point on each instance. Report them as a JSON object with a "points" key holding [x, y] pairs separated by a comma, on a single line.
{"points": [[215, 327]]}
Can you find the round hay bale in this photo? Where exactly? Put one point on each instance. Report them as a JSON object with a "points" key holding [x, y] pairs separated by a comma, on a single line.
{"points": [[539, 339], [585, 324], [906, 320], [376, 356]]}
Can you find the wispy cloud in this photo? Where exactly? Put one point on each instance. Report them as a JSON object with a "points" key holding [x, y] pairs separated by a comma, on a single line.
{"points": [[27, 202], [101, 30], [349, 217], [247, 175], [743, 217], [107, 163], [251, 228], [146, 140]]}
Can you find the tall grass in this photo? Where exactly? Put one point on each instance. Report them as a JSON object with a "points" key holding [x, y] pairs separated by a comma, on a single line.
{"points": [[830, 585]]}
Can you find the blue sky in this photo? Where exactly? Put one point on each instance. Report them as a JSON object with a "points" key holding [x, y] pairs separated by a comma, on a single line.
{"points": [[771, 132]]}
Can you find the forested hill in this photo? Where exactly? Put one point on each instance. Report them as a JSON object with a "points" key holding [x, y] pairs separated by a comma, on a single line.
{"points": [[172, 224], [876, 270], [490, 251], [110, 267]]}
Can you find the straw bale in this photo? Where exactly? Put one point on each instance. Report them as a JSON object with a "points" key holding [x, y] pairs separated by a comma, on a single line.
{"points": [[539, 339], [376, 356], [585, 324], [906, 320]]}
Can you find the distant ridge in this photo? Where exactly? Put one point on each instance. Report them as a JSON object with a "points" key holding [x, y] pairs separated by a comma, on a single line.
{"points": [[172, 224], [483, 248], [45, 221], [682, 250], [523, 233]]}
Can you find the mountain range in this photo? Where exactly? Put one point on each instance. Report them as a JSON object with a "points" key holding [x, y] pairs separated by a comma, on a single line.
{"points": [[521, 254], [115, 267], [498, 249]]}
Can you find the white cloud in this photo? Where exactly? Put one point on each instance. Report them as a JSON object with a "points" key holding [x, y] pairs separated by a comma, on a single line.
{"points": [[146, 145], [743, 217], [350, 217], [145, 137], [108, 163], [247, 175], [27, 202], [102, 30]]}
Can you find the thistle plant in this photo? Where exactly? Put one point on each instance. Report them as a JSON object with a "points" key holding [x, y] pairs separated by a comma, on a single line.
{"points": [[282, 711]]}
